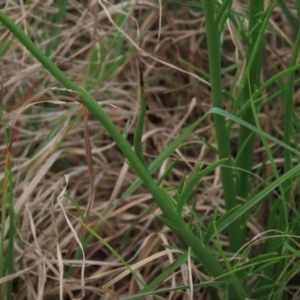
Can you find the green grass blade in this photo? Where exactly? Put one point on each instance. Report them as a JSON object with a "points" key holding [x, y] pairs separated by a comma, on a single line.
{"points": [[223, 14], [254, 129], [158, 161], [262, 25], [109, 71], [226, 219], [5, 45], [161, 277], [298, 11], [252, 79], [62, 7], [114, 252], [288, 115], [167, 171], [194, 180], [222, 135]]}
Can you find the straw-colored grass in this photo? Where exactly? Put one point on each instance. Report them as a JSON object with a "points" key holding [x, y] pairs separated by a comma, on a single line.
{"points": [[45, 137]]}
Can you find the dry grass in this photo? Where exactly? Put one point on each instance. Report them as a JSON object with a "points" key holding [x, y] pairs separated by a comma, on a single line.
{"points": [[46, 140]]}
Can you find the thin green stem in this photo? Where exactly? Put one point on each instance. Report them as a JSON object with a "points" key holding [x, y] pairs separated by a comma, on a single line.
{"points": [[222, 135], [252, 79], [288, 116]]}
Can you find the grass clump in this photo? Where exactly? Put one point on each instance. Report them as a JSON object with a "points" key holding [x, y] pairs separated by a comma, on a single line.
{"points": [[149, 150]]}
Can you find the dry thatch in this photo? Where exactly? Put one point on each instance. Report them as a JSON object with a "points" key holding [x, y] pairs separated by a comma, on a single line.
{"points": [[46, 129]]}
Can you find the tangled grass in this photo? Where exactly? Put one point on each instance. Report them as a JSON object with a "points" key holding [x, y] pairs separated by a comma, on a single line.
{"points": [[97, 232]]}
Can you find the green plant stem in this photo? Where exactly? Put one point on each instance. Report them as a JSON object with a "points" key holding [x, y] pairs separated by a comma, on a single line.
{"points": [[235, 232], [222, 135], [164, 275], [287, 119], [246, 136], [162, 198], [62, 6]]}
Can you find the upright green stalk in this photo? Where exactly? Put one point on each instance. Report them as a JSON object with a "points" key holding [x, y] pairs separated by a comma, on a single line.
{"points": [[288, 116], [246, 136], [223, 141], [281, 220]]}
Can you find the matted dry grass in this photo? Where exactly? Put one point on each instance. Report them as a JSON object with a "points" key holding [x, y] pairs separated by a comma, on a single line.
{"points": [[47, 141]]}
